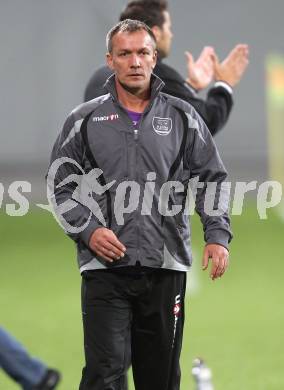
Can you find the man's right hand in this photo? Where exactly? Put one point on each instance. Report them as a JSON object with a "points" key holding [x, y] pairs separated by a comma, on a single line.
{"points": [[105, 243], [233, 67]]}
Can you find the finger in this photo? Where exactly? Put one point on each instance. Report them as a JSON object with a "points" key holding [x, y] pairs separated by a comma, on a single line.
{"points": [[234, 53], [205, 59], [215, 60], [220, 267], [101, 254], [117, 252], [207, 51], [226, 264], [244, 49], [214, 268], [239, 52], [112, 239], [208, 65], [241, 55], [189, 57], [242, 46], [109, 253], [205, 260]]}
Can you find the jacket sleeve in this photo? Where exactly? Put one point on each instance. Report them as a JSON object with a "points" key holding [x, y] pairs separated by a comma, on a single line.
{"points": [[212, 193], [65, 178], [214, 110]]}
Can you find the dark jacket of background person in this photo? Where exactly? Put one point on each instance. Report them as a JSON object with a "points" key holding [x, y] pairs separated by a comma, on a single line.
{"points": [[215, 110]]}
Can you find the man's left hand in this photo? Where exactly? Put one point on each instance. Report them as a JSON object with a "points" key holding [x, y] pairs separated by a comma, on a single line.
{"points": [[219, 257]]}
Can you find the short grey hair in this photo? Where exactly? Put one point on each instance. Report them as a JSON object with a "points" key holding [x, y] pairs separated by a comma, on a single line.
{"points": [[130, 26]]}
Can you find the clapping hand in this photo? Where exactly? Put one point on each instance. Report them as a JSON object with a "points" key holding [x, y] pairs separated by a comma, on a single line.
{"points": [[233, 67], [201, 71]]}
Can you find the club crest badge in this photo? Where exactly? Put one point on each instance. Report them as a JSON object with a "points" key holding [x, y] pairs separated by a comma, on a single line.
{"points": [[162, 126]]}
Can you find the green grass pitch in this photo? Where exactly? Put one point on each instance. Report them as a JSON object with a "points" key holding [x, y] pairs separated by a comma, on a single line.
{"points": [[236, 323]]}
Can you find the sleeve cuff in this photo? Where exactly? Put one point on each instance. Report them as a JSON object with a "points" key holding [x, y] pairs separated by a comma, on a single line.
{"points": [[219, 236], [224, 85], [85, 235]]}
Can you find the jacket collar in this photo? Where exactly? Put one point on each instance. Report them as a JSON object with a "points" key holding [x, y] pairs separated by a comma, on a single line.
{"points": [[156, 86]]}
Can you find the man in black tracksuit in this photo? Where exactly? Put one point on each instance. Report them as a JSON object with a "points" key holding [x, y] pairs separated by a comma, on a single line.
{"points": [[118, 182], [216, 109]]}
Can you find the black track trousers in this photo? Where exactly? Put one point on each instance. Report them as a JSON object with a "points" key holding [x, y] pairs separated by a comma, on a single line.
{"points": [[150, 303]]}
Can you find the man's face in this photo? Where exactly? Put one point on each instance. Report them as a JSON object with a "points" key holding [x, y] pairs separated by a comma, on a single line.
{"points": [[164, 37], [133, 59]]}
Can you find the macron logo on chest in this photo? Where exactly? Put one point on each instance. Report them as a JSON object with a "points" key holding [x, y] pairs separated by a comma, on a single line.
{"points": [[110, 117]]}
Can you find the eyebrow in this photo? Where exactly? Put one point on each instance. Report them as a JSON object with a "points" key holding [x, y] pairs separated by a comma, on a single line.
{"points": [[139, 50]]}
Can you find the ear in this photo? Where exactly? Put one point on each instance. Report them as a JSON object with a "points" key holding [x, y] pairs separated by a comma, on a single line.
{"points": [[157, 32], [109, 60], [155, 55]]}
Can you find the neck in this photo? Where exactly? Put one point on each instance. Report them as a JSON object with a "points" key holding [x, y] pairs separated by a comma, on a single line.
{"points": [[161, 55], [133, 100]]}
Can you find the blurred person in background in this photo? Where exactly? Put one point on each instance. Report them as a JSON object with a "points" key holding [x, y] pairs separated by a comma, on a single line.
{"points": [[134, 271], [29, 372], [215, 109]]}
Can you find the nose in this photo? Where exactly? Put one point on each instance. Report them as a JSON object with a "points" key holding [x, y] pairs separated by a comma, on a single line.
{"points": [[135, 61]]}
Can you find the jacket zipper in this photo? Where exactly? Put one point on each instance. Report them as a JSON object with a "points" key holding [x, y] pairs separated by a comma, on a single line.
{"points": [[126, 156], [136, 137]]}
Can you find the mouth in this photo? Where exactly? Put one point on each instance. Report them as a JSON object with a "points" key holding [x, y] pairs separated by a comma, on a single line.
{"points": [[135, 75]]}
